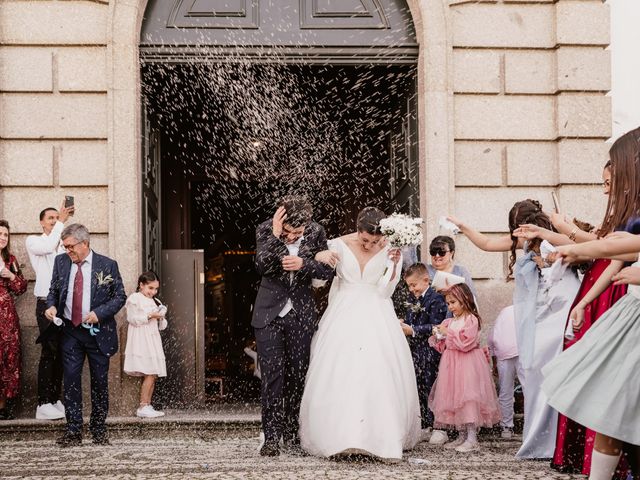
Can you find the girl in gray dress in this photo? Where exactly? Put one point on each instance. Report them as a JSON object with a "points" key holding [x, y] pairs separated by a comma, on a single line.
{"points": [[596, 382]]}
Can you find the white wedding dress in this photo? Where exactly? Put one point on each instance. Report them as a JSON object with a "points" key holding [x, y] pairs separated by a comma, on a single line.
{"points": [[360, 394]]}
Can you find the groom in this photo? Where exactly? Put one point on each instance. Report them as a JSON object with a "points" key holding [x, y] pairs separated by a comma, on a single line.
{"points": [[284, 315]]}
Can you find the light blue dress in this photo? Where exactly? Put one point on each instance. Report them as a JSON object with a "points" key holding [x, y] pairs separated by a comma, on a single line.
{"points": [[596, 382], [541, 311]]}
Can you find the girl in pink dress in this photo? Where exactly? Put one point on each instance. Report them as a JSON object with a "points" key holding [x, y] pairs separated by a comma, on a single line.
{"points": [[144, 356], [464, 395]]}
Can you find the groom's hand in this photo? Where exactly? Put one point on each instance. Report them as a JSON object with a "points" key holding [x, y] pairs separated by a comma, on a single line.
{"points": [[278, 219], [291, 263]]}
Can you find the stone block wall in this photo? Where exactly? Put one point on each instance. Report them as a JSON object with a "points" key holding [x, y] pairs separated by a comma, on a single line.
{"points": [[520, 84], [53, 131], [529, 81]]}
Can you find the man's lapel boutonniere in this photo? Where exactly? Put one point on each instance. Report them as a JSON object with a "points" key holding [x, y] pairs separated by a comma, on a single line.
{"points": [[414, 307], [103, 279]]}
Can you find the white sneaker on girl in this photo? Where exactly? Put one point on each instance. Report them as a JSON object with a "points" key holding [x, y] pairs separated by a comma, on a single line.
{"points": [[457, 442], [148, 412], [467, 447], [438, 437]]}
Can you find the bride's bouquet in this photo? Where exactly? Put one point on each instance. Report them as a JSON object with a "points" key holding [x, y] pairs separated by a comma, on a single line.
{"points": [[402, 230]]}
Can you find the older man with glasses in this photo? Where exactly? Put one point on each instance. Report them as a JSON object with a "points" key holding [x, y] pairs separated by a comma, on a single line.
{"points": [[86, 293]]}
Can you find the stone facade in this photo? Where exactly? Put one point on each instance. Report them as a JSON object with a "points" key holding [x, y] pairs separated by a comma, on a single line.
{"points": [[512, 104]]}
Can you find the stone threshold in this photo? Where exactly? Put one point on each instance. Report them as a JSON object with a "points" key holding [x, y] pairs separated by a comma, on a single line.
{"points": [[183, 423]]}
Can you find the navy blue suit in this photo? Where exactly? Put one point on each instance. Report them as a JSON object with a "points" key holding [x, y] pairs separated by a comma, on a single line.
{"points": [[433, 310], [107, 298]]}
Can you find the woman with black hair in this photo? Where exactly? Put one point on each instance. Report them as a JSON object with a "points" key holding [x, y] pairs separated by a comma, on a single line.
{"points": [[443, 250]]}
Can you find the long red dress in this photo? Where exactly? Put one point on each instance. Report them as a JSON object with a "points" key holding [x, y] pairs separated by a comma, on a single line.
{"points": [[10, 331], [574, 443]]}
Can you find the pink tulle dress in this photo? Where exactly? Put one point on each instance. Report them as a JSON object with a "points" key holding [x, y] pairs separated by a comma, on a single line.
{"points": [[464, 392]]}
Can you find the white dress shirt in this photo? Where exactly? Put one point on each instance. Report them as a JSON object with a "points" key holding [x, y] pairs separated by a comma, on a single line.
{"points": [[86, 287], [42, 250], [293, 248]]}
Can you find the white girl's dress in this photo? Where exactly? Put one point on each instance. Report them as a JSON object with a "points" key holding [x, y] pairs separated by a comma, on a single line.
{"points": [[143, 354], [596, 381], [360, 394]]}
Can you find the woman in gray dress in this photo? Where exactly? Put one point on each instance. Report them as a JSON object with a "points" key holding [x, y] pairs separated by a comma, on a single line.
{"points": [[596, 382]]}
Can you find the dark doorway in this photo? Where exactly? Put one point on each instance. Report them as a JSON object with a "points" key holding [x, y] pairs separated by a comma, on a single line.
{"points": [[236, 137]]}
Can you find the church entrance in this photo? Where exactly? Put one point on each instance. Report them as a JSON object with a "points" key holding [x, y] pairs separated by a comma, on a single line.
{"points": [[227, 132]]}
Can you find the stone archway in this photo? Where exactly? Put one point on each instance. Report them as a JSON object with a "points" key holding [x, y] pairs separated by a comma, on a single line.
{"points": [[435, 112], [435, 119]]}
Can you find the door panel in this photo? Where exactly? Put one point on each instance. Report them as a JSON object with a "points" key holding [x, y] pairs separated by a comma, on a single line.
{"points": [[151, 227], [183, 340], [403, 157]]}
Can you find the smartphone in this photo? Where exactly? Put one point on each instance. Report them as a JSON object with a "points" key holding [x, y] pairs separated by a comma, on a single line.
{"points": [[69, 202], [556, 202]]}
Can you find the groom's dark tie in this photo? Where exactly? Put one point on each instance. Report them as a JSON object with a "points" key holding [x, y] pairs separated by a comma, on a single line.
{"points": [[76, 305]]}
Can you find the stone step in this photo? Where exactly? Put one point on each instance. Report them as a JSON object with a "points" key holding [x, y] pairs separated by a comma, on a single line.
{"points": [[204, 424], [177, 424]]}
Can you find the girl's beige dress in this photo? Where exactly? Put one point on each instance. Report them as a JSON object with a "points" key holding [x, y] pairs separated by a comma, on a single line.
{"points": [[143, 354]]}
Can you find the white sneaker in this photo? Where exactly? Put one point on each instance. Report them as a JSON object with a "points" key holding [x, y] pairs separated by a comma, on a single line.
{"points": [[438, 437], [506, 433], [148, 412], [457, 442], [467, 447], [59, 406], [48, 412]]}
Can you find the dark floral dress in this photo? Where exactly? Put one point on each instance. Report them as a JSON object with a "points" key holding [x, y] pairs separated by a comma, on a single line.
{"points": [[10, 331]]}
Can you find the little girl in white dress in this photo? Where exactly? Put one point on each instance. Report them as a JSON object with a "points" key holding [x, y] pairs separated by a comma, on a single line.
{"points": [[144, 356]]}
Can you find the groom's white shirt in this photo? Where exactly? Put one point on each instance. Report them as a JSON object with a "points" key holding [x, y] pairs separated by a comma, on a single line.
{"points": [[293, 248]]}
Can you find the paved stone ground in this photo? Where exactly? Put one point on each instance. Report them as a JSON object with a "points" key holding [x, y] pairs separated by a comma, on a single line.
{"points": [[234, 455]]}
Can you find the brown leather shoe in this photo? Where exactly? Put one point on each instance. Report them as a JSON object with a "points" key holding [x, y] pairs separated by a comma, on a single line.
{"points": [[69, 439]]}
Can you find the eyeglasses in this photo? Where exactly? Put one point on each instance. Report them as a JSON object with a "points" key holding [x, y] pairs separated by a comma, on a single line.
{"points": [[438, 252], [70, 247]]}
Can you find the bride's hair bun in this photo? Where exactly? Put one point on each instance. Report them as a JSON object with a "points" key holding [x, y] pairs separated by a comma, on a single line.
{"points": [[369, 220]]}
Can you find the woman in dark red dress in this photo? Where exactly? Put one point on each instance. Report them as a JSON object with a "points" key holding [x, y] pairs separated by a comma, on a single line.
{"points": [[11, 283]]}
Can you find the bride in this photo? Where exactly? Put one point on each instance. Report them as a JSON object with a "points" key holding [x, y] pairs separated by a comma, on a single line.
{"points": [[360, 395]]}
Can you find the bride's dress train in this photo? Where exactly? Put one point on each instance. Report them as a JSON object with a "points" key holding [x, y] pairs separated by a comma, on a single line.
{"points": [[360, 394]]}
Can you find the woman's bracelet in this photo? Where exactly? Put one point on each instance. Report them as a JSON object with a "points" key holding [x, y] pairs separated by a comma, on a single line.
{"points": [[572, 235]]}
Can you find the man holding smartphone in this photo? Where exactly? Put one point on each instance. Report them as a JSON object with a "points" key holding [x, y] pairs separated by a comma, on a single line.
{"points": [[42, 250]]}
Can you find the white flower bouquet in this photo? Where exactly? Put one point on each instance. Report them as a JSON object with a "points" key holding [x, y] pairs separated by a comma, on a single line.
{"points": [[402, 230]]}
